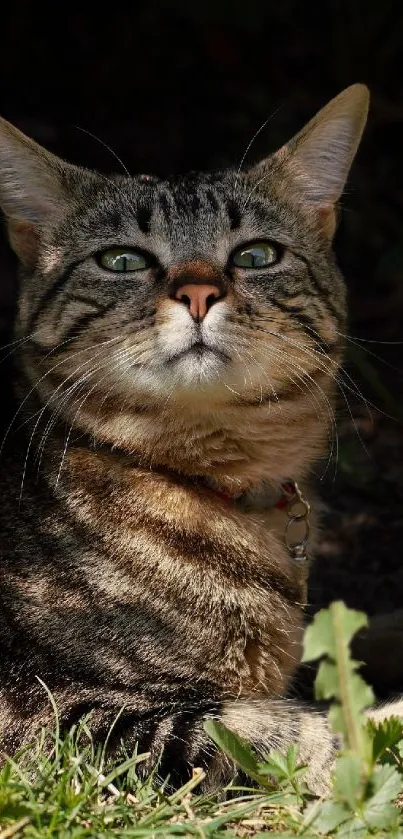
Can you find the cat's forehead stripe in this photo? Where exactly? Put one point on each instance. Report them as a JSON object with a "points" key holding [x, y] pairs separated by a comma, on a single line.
{"points": [[193, 197]]}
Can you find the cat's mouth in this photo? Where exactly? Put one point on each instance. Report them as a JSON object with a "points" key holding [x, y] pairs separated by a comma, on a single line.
{"points": [[199, 350]]}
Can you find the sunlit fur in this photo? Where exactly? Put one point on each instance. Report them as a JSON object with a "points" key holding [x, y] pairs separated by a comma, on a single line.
{"points": [[127, 578]]}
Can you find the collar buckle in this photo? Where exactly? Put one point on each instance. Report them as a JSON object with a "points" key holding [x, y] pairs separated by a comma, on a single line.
{"points": [[298, 512]]}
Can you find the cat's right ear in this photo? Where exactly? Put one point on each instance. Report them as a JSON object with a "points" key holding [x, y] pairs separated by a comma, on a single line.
{"points": [[33, 189], [316, 162]]}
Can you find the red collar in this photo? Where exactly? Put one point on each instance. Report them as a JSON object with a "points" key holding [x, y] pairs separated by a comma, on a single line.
{"points": [[286, 490], [278, 496]]}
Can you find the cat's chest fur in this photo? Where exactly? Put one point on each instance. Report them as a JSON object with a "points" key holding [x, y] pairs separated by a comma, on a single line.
{"points": [[137, 575], [219, 579]]}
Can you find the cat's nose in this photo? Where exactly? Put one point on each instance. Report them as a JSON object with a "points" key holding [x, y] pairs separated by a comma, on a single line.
{"points": [[198, 298]]}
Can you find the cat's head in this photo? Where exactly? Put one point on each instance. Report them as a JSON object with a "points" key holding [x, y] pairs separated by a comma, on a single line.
{"points": [[204, 290]]}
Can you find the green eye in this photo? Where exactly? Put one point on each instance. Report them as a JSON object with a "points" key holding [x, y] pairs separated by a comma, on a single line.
{"points": [[255, 255], [124, 260]]}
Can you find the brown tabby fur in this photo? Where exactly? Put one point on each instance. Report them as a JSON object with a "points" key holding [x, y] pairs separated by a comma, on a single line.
{"points": [[128, 580]]}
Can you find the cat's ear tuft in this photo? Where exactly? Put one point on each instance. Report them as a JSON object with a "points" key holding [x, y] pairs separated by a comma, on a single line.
{"points": [[32, 189], [319, 157]]}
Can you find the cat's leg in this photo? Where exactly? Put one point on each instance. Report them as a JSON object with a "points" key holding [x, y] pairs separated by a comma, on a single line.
{"points": [[277, 724], [389, 709], [173, 735]]}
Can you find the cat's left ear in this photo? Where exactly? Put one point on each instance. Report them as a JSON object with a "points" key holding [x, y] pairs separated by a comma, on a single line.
{"points": [[34, 190], [318, 158]]}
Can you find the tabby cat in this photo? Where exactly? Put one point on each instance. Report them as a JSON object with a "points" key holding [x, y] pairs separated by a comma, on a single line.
{"points": [[176, 349]]}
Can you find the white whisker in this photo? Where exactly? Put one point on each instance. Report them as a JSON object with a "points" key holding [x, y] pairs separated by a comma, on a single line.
{"points": [[39, 381], [250, 144]]}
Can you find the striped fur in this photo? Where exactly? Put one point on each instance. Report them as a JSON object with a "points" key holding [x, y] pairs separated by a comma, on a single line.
{"points": [[127, 581]]}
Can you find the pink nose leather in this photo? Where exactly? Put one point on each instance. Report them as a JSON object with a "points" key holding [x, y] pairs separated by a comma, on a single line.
{"points": [[198, 298]]}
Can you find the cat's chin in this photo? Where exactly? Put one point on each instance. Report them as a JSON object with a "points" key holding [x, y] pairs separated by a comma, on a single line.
{"points": [[199, 371], [200, 364], [199, 353], [199, 368]]}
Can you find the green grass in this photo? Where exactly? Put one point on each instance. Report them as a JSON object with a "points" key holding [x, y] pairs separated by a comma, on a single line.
{"points": [[70, 793], [66, 787]]}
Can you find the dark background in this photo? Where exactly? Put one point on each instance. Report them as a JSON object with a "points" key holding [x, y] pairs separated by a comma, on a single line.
{"points": [[184, 85]]}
